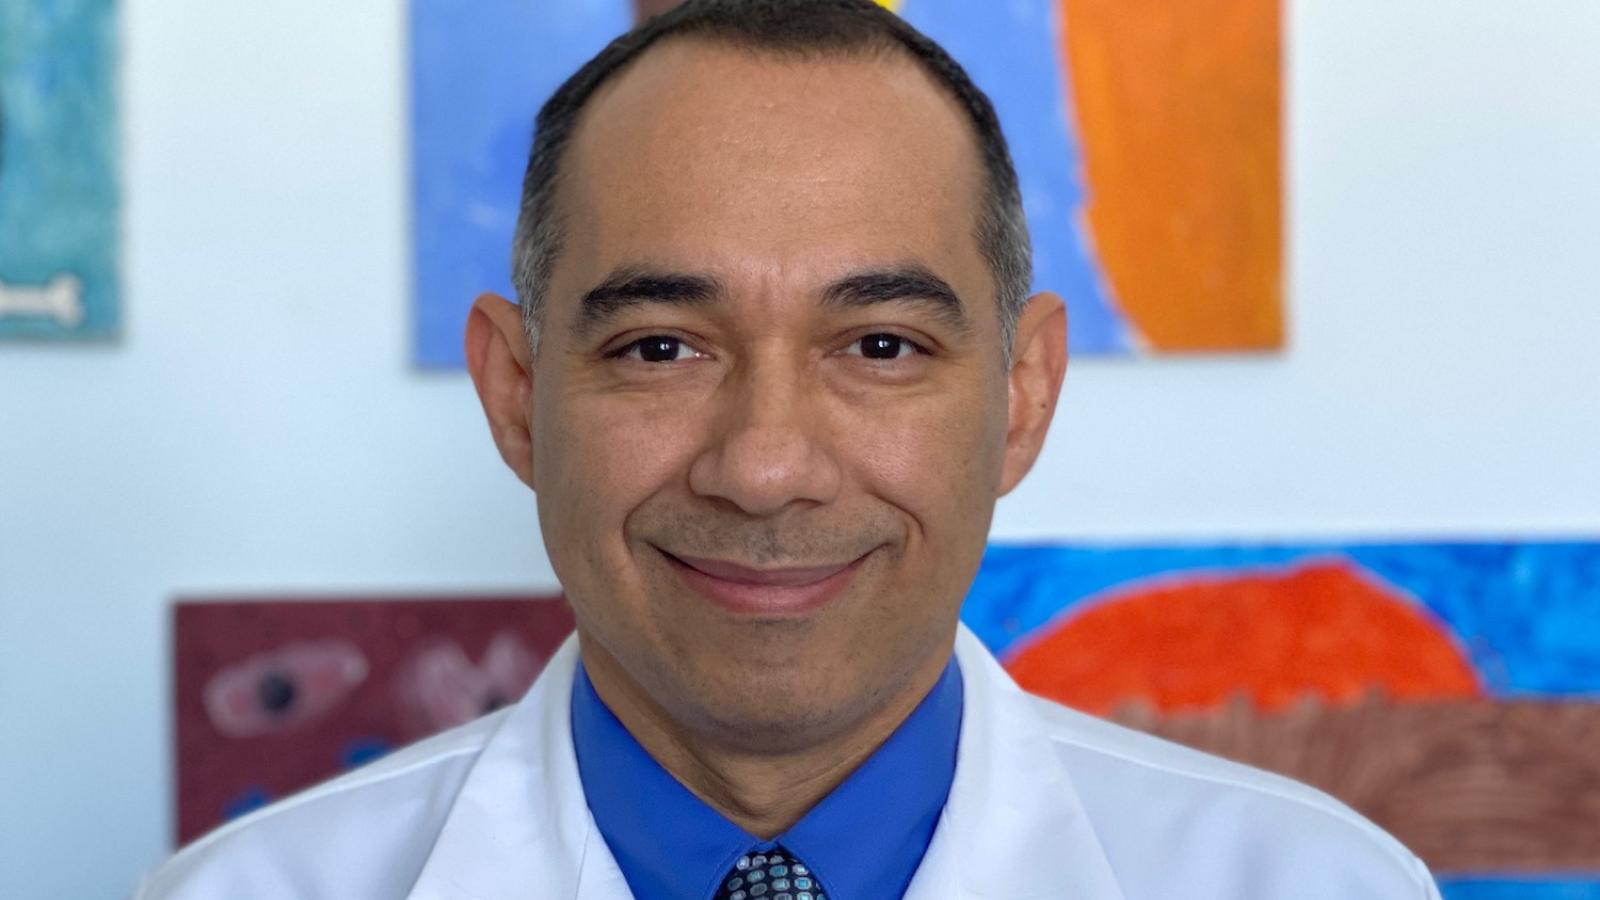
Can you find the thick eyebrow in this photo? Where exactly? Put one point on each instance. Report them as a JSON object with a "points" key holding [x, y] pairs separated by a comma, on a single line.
{"points": [[914, 284], [632, 286]]}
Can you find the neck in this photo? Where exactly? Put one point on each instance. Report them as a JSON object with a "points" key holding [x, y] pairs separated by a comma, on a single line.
{"points": [[763, 792]]}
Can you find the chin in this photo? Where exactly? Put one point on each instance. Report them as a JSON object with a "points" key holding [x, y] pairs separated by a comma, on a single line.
{"points": [[761, 707]]}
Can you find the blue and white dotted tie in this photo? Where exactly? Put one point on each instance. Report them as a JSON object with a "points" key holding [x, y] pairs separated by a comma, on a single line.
{"points": [[770, 875]]}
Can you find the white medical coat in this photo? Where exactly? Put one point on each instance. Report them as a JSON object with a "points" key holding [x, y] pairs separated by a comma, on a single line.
{"points": [[1046, 803]]}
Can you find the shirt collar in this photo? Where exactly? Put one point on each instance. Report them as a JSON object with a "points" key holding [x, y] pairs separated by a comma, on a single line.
{"points": [[863, 840]]}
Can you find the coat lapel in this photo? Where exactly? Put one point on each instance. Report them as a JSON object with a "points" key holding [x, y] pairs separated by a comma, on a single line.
{"points": [[520, 827], [1013, 826]]}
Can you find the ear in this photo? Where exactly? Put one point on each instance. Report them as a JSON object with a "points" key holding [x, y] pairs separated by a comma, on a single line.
{"points": [[1038, 363], [500, 361]]}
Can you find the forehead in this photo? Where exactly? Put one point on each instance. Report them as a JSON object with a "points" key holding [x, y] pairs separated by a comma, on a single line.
{"points": [[749, 163]]}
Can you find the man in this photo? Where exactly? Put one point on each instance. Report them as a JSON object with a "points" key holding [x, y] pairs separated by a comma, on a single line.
{"points": [[774, 363]]}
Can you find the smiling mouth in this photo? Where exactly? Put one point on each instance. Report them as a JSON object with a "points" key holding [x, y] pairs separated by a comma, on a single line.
{"points": [[764, 593]]}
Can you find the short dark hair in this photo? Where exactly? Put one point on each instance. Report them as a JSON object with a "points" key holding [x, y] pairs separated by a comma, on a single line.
{"points": [[801, 28]]}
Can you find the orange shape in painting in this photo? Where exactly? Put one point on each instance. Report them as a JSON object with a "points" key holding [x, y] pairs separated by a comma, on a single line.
{"points": [[1325, 630], [1178, 113]]}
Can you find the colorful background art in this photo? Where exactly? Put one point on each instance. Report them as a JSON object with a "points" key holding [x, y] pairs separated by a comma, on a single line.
{"points": [[58, 179], [1450, 692], [1161, 226]]}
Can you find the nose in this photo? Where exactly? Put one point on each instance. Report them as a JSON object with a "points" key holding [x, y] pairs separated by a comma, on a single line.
{"points": [[770, 446]]}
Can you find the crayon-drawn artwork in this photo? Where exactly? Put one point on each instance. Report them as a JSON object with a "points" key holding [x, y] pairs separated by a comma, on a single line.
{"points": [[1449, 692], [275, 695], [58, 177], [1146, 135]]}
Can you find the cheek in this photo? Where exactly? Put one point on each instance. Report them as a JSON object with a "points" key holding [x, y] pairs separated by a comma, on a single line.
{"points": [[597, 458], [938, 459]]}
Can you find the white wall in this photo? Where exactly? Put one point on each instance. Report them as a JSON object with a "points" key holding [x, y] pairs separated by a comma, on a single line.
{"points": [[258, 427]]}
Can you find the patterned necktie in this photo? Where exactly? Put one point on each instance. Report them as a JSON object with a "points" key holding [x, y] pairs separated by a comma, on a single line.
{"points": [[770, 875]]}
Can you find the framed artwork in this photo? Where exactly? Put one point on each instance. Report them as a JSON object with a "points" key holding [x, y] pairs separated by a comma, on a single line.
{"points": [[1147, 136], [274, 695], [58, 177], [1449, 692]]}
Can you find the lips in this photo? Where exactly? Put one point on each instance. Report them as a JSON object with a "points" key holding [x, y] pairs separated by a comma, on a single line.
{"points": [[767, 593]]}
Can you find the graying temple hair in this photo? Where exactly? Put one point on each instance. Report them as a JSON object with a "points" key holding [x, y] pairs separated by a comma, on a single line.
{"points": [[803, 28]]}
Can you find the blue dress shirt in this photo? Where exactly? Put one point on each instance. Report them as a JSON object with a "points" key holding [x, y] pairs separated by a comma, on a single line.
{"points": [[863, 841]]}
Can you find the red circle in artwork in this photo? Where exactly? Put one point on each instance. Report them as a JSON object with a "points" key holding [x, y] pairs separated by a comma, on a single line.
{"points": [[1327, 630]]}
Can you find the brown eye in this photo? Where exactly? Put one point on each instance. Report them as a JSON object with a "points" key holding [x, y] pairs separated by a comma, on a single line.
{"points": [[884, 347], [657, 348]]}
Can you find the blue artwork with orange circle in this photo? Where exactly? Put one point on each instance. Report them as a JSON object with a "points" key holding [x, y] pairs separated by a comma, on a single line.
{"points": [[1479, 662]]}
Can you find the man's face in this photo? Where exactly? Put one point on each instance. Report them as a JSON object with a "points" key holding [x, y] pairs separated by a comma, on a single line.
{"points": [[769, 412]]}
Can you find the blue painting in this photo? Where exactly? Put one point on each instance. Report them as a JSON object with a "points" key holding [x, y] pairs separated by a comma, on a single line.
{"points": [[1147, 137], [480, 72], [58, 176], [1478, 662]]}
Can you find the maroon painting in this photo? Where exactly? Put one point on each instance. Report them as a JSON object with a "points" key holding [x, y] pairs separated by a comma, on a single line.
{"points": [[275, 695]]}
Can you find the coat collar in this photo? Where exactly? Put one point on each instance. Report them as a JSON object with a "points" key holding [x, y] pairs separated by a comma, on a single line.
{"points": [[1013, 826], [519, 825]]}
